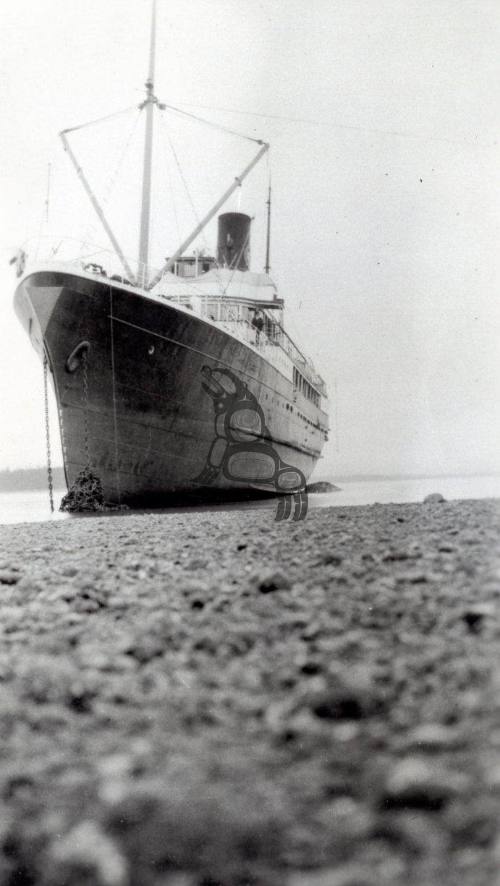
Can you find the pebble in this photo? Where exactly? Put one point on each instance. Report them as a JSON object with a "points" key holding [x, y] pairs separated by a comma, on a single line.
{"points": [[346, 875], [8, 577], [271, 581], [348, 695], [433, 737], [87, 854], [416, 784], [416, 831], [475, 615]]}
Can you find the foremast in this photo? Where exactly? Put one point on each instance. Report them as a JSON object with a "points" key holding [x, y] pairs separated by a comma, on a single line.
{"points": [[142, 278], [148, 105]]}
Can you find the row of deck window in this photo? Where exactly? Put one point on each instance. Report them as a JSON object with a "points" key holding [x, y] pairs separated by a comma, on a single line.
{"points": [[300, 384]]}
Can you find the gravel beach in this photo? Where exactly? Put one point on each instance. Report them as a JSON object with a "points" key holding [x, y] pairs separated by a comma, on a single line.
{"points": [[201, 699]]}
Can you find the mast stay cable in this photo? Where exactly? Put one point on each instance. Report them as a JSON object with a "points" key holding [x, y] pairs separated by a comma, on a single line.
{"points": [[211, 123], [264, 147], [96, 205], [114, 176], [112, 179], [101, 119], [190, 198], [164, 136], [267, 266], [333, 124]]}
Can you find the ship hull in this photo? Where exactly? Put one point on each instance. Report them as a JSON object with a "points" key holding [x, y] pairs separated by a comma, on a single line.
{"points": [[129, 374]]}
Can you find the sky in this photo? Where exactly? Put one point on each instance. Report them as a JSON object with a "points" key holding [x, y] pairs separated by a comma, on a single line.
{"points": [[383, 119]]}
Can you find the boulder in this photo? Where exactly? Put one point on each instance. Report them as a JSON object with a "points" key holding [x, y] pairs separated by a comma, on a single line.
{"points": [[322, 486], [434, 498]]}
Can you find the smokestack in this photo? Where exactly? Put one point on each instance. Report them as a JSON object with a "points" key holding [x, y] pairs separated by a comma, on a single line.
{"points": [[233, 244]]}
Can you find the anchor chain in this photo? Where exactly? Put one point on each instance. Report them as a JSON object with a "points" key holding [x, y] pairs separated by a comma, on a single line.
{"points": [[47, 432], [86, 410]]}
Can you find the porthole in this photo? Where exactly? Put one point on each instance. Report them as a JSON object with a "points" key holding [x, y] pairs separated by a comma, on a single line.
{"points": [[151, 350]]}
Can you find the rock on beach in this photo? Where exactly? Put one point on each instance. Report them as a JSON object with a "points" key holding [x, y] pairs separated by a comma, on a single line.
{"points": [[216, 699]]}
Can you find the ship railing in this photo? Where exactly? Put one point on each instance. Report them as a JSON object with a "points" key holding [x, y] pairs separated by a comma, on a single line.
{"points": [[81, 254], [273, 339], [301, 361], [244, 330], [270, 345]]}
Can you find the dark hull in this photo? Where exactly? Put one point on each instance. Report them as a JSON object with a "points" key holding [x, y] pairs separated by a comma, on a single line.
{"points": [[149, 421]]}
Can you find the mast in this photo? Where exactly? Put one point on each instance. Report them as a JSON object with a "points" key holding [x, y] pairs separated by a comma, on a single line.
{"points": [[268, 236], [148, 104]]}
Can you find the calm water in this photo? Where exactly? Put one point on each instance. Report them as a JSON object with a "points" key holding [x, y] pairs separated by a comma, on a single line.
{"points": [[33, 507]]}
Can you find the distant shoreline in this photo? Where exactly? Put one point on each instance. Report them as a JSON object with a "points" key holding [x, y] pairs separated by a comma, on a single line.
{"points": [[29, 479], [368, 478], [26, 479]]}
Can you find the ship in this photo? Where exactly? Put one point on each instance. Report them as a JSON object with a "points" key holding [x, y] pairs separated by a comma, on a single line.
{"points": [[176, 383]]}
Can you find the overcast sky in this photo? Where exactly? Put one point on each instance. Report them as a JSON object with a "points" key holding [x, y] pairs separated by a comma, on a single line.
{"points": [[385, 192]]}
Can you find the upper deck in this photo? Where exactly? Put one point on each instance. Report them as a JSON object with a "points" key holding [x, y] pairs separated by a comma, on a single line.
{"points": [[243, 303]]}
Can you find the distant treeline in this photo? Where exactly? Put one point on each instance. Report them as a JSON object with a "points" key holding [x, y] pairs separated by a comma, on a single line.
{"points": [[29, 478]]}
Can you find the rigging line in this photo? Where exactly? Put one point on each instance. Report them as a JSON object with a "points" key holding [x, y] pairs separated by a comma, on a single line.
{"points": [[95, 204], [354, 127], [47, 199], [193, 207], [115, 174], [211, 123], [90, 227], [267, 266], [44, 219], [184, 182], [169, 176], [101, 119]]}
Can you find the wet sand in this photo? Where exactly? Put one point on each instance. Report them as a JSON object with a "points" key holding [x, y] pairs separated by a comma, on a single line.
{"points": [[201, 699]]}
